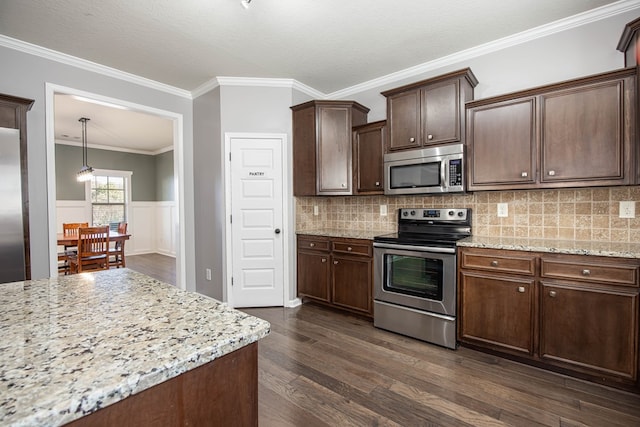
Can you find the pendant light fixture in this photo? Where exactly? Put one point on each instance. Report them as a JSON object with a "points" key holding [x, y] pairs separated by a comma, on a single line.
{"points": [[86, 172]]}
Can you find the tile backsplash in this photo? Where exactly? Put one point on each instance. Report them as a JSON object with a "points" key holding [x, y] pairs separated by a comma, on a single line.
{"points": [[572, 214]]}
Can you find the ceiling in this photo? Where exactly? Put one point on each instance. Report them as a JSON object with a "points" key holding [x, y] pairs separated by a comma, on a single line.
{"points": [[328, 45]]}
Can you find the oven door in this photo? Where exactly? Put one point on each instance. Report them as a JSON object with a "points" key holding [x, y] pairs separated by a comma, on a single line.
{"points": [[418, 277]]}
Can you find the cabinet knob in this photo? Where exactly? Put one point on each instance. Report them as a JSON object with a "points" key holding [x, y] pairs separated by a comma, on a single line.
{"points": [[377, 183], [344, 185], [552, 294], [552, 173], [335, 262], [494, 263], [324, 260], [521, 289], [412, 139], [312, 245], [524, 174], [586, 272], [429, 137], [349, 248]]}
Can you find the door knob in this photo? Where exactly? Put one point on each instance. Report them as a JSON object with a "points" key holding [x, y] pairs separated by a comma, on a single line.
{"points": [[277, 231]]}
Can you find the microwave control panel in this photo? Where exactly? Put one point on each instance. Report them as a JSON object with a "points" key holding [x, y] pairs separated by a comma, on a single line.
{"points": [[455, 172]]}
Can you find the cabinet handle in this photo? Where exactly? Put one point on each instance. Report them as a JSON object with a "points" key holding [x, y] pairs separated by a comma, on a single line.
{"points": [[552, 173], [521, 289], [494, 263], [586, 272], [429, 137], [324, 260], [349, 248], [552, 294], [524, 174], [335, 262], [312, 245], [377, 183], [412, 139]]}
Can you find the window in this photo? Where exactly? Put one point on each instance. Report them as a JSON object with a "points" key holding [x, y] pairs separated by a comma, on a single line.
{"points": [[108, 194]]}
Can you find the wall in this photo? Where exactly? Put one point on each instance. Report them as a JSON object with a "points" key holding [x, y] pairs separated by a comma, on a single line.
{"points": [[580, 51], [571, 214], [26, 75], [165, 182], [144, 167], [209, 193]]}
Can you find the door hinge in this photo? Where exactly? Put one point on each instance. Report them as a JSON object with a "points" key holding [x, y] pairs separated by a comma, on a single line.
{"points": [[231, 219], [232, 281], [229, 156]]}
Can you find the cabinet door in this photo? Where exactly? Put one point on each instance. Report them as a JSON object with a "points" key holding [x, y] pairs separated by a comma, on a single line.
{"points": [[368, 148], [590, 329], [334, 150], [403, 112], [441, 113], [497, 312], [582, 134], [352, 283], [313, 275], [304, 152], [502, 145]]}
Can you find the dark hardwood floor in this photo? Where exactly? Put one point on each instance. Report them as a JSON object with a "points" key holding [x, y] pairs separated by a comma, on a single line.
{"points": [[158, 266], [319, 367]]}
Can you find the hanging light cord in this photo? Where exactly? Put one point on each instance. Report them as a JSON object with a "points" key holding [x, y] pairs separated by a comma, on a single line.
{"points": [[84, 140]]}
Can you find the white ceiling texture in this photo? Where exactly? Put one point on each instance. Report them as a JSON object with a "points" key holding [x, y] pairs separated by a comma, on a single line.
{"points": [[328, 45]]}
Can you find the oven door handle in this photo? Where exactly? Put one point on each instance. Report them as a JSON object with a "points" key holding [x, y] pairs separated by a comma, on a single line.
{"points": [[414, 248]]}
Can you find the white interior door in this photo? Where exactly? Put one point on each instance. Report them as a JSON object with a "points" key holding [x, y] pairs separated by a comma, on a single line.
{"points": [[256, 222]]}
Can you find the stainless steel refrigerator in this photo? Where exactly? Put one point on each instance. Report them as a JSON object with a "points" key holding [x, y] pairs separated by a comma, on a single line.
{"points": [[12, 259]]}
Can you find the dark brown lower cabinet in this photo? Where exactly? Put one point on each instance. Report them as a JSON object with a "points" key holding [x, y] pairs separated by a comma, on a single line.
{"points": [[337, 272], [575, 314], [222, 392]]}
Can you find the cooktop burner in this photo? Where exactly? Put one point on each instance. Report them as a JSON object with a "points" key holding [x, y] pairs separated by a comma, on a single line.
{"points": [[430, 227]]}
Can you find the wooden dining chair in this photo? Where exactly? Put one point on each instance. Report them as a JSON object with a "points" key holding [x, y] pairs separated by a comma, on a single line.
{"points": [[68, 229], [116, 253], [93, 250]]}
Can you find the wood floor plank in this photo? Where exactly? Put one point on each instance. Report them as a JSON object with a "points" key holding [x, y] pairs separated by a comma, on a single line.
{"points": [[338, 369]]}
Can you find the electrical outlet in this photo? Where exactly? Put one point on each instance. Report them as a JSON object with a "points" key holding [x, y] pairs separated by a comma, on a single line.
{"points": [[207, 273], [628, 209], [503, 210], [383, 210], [315, 210]]}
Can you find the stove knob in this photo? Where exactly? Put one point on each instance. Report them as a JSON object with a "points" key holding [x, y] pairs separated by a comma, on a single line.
{"points": [[460, 214], [451, 213], [413, 213], [405, 213]]}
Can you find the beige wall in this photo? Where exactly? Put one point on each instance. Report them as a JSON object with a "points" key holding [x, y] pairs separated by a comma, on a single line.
{"points": [[580, 214]]}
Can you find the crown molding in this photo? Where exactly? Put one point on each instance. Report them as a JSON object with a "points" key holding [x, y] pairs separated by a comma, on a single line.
{"points": [[257, 82], [493, 46], [113, 148], [73, 61]]}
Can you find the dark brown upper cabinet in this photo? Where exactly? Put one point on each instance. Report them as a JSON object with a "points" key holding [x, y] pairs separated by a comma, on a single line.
{"points": [[429, 112], [578, 133], [368, 148], [322, 158]]}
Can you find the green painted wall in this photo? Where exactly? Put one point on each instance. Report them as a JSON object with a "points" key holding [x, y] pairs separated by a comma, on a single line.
{"points": [[150, 182]]}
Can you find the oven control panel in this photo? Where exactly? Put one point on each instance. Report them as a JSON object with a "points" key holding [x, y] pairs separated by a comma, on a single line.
{"points": [[425, 214]]}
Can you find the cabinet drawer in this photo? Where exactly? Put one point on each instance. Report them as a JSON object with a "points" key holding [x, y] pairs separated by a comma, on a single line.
{"points": [[590, 271], [352, 248], [313, 243], [516, 264]]}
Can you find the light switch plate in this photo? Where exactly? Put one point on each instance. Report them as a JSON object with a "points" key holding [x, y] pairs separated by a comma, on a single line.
{"points": [[503, 210], [315, 210], [383, 210], [628, 209]]}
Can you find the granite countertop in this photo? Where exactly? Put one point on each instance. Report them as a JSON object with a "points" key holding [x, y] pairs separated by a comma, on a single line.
{"points": [[577, 247], [74, 344], [348, 233]]}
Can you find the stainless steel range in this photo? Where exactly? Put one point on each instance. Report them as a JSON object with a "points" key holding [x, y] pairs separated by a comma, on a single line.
{"points": [[415, 281]]}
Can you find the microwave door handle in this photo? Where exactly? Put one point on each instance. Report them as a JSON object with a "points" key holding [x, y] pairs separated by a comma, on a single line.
{"points": [[444, 173]]}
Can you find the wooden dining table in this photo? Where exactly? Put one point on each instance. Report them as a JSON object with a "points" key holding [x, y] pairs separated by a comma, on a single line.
{"points": [[114, 236]]}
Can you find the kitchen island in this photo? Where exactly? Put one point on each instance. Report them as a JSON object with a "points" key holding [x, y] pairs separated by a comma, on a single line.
{"points": [[118, 347]]}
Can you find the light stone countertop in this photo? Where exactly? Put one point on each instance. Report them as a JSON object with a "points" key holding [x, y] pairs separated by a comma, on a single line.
{"points": [[577, 247], [74, 344], [348, 233]]}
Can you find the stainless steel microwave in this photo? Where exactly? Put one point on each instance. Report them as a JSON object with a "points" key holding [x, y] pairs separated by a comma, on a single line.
{"points": [[429, 170]]}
